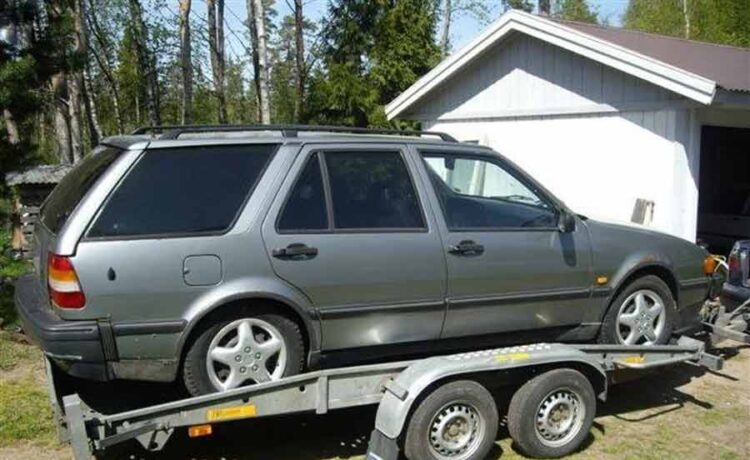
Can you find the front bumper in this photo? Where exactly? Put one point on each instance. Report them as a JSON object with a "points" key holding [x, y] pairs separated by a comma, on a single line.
{"points": [[75, 346]]}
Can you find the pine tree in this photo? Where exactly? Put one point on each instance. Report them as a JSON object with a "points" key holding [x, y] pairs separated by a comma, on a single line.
{"points": [[575, 10]]}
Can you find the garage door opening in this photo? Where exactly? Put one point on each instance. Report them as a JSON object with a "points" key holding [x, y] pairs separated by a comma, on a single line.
{"points": [[724, 189]]}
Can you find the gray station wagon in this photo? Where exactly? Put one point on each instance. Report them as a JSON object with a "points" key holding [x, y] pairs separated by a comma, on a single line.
{"points": [[227, 256]]}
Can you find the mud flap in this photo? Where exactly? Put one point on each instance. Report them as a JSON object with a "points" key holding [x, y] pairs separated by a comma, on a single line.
{"points": [[382, 447]]}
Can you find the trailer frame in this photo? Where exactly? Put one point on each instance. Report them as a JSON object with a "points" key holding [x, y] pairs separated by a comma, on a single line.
{"points": [[395, 387]]}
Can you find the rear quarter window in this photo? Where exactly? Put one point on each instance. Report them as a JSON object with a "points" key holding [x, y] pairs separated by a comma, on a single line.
{"points": [[183, 191], [74, 186]]}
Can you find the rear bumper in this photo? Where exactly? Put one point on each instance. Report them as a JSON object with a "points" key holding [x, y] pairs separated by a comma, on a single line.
{"points": [[75, 346]]}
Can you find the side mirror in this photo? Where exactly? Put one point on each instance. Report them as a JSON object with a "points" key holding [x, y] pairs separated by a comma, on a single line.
{"points": [[567, 222]]}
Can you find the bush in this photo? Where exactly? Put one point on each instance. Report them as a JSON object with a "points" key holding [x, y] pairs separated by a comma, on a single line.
{"points": [[10, 269]]}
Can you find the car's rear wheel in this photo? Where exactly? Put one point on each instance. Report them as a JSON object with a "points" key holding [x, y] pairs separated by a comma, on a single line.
{"points": [[241, 350], [642, 314]]}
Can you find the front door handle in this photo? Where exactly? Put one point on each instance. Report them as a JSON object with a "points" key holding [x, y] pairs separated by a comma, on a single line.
{"points": [[295, 251], [466, 248]]}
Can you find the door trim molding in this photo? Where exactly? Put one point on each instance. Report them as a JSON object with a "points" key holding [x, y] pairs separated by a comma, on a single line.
{"points": [[359, 309], [520, 297]]}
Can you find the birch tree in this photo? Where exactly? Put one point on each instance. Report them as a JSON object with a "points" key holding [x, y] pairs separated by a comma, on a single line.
{"points": [[299, 38], [216, 45], [186, 62], [146, 61], [260, 56], [102, 51]]}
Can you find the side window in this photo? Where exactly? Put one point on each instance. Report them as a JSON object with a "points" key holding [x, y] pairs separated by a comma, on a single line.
{"points": [[478, 193], [305, 208], [186, 190], [372, 190]]}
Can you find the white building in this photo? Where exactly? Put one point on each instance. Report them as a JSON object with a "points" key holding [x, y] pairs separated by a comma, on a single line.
{"points": [[605, 118]]}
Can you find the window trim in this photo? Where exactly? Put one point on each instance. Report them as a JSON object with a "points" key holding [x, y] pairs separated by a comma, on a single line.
{"points": [[151, 236], [332, 230], [505, 166]]}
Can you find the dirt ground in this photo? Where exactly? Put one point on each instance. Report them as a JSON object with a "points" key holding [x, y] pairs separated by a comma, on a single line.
{"points": [[683, 412]]}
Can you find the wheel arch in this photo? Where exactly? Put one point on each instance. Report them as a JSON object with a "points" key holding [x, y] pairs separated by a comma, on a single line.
{"points": [[397, 406], [659, 269], [296, 309]]}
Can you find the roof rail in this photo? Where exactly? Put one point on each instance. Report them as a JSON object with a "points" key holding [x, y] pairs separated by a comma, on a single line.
{"points": [[175, 131]]}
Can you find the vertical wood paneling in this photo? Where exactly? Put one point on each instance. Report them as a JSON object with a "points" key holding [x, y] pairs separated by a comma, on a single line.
{"points": [[524, 73]]}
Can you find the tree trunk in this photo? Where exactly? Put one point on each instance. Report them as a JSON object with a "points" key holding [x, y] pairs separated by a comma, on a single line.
{"points": [[81, 76], [146, 62], [262, 53], [545, 7], [75, 117], [254, 48], [216, 45], [61, 119], [186, 62], [445, 34], [101, 56], [11, 127], [299, 37]]}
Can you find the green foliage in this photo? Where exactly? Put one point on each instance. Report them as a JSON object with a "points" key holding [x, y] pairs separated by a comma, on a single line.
{"points": [[525, 5], [575, 10], [373, 50], [24, 72], [718, 21]]}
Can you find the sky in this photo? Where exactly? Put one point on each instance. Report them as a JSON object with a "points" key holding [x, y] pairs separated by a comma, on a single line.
{"points": [[464, 29]]}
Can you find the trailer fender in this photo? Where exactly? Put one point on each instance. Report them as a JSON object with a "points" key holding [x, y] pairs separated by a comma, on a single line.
{"points": [[402, 392]]}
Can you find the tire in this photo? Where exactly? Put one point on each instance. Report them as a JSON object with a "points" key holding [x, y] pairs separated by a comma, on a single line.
{"points": [[195, 369], [463, 404], [652, 287], [563, 389]]}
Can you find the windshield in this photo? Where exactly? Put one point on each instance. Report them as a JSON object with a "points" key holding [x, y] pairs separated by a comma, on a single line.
{"points": [[73, 187]]}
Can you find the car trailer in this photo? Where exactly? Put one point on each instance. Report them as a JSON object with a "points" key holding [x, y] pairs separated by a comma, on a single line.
{"points": [[437, 407]]}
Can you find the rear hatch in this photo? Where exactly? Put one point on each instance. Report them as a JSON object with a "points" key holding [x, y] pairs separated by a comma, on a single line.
{"points": [[61, 204]]}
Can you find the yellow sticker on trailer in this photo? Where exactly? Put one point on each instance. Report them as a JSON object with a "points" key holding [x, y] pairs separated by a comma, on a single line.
{"points": [[227, 413], [634, 359], [512, 357]]}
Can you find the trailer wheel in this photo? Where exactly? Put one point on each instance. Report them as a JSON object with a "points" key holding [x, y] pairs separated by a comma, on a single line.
{"points": [[551, 415], [456, 421]]}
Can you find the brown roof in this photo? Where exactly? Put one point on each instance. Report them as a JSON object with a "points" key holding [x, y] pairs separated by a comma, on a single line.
{"points": [[728, 66]]}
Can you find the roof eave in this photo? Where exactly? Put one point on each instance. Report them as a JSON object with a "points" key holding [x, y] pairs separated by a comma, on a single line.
{"points": [[677, 80]]}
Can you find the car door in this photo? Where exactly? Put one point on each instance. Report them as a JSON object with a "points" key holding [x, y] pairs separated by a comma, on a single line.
{"points": [[510, 268], [348, 228]]}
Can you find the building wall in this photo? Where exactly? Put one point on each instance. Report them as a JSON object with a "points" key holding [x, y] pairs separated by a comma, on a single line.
{"points": [[599, 165], [598, 138], [526, 76]]}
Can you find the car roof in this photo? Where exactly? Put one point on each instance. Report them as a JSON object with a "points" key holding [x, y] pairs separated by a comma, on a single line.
{"points": [[171, 136]]}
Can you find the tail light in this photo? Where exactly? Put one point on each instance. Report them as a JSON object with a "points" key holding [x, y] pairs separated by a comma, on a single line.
{"points": [[64, 288], [734, 263]]}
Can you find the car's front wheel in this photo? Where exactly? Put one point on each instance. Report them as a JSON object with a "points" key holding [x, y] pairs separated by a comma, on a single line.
{"points": [[642, 314], [241, 350]]}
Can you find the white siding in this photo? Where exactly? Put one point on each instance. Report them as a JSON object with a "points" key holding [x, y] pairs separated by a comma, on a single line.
{"points": [[526, 75], [600, 164]]}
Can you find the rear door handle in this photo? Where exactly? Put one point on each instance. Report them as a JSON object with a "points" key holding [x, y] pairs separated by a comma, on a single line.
{"points": [[295, 251], [466, 248]]}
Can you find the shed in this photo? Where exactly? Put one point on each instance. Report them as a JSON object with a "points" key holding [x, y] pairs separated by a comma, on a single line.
{"points": [[31, 186], [621, 125]]}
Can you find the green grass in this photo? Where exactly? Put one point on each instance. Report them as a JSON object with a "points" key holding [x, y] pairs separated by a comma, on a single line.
{"points": [[25, 413], [13, 353]]}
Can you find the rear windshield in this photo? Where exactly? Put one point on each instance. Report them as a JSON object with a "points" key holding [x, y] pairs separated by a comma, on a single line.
{"points": [[185, 190], [72, 188]]}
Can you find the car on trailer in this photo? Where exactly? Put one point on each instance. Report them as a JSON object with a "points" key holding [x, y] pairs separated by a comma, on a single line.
{"points": [[737, 287], [233, 255]]}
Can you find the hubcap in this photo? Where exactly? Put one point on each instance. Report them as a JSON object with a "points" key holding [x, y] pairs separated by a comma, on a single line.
{"points": [[559, 417], [641, 319], [456, 431], [247, 350]]}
